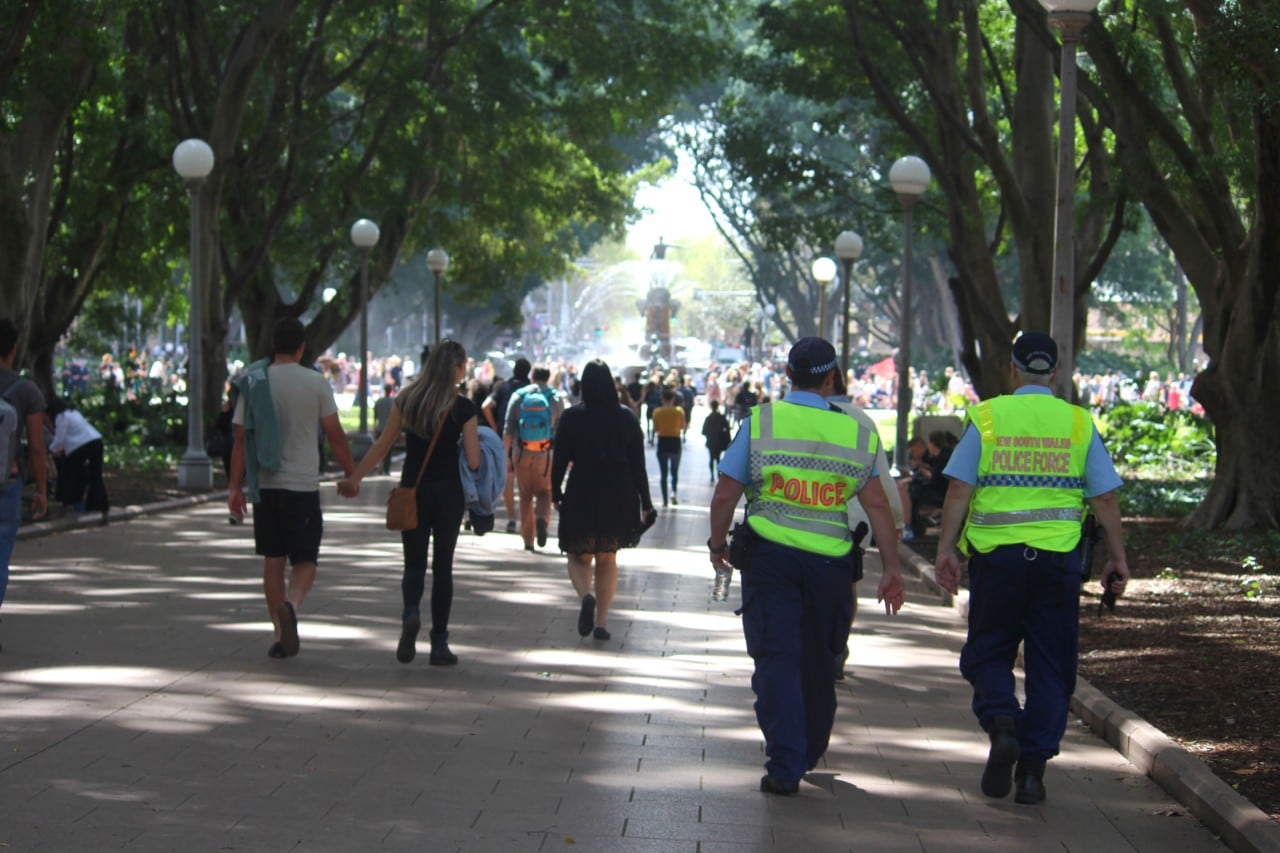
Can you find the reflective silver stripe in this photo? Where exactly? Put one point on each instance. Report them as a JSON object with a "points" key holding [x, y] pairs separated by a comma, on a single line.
{"points": [[767, 441], [833, 525], [824, 464], [766, 420], [809, 445], [1023, 516]]}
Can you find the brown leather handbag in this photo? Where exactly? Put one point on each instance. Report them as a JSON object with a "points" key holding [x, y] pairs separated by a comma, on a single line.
{"points": [[402, 503]]}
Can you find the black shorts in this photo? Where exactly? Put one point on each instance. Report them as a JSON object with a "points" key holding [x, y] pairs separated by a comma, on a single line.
{"points": [[288, 524]]}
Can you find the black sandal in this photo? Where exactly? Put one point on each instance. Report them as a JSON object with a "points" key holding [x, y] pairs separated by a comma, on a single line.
{"points": [[276, 651]]}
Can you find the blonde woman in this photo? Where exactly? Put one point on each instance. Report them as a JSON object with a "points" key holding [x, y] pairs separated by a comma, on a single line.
{"points": [[429, 403]]}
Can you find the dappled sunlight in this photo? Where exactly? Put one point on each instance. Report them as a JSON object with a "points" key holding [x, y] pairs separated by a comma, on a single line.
{"points": [[246, 596], [620, 702], [255, 582], [323, 630], [115, 676], [685, 619], [120, 592], [657, 682], [41, 608], [101, 793], [314, 628], [515, 596], [39, 709], [29, 576]]}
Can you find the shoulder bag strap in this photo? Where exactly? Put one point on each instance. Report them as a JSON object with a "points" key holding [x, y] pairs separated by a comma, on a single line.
{"points": [[431, 447]]}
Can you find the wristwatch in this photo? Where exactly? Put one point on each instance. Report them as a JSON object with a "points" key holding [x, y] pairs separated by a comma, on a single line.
{"points": [[714, 550]]}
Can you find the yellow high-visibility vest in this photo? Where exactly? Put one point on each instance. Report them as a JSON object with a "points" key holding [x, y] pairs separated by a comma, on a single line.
{"points": [[805, 464], [1030, 488]]}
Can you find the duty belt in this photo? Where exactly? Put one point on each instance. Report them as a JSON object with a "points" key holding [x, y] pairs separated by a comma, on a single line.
{"points": [[1023, 516]]}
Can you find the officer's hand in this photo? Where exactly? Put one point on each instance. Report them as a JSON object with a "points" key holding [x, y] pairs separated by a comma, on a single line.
{"points": [[946, 570], [891, 592], [1121, 568]]}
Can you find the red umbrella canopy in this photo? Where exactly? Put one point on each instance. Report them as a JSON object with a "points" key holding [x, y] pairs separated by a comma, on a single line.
{"points": [[884, 367]]}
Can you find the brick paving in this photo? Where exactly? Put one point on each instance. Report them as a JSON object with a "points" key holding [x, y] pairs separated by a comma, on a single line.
{"points": [[142, 713]]}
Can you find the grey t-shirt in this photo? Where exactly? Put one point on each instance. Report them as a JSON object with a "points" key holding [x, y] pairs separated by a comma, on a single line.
{"points": [[302, 397], [27, 399]]}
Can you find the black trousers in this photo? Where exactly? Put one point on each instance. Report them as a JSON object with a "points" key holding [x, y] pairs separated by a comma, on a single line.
{"points": [[80, 478]]}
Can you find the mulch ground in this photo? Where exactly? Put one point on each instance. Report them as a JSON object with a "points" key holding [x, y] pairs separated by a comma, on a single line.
{"points": [[1194, 646]]}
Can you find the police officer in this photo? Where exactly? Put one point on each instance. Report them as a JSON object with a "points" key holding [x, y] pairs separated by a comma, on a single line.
{"points": [[1019, 479], [798, 462]]}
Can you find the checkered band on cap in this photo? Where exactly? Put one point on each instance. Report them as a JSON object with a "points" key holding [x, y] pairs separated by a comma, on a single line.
{"points": [[812, 357]]}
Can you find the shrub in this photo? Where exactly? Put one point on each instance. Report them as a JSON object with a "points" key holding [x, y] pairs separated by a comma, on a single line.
{"points": [[1142, 435]]}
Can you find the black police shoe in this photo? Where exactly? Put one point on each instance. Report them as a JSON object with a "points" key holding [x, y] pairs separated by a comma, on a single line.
{"points": [[774, 785], [1029, 782], [996, 777]]}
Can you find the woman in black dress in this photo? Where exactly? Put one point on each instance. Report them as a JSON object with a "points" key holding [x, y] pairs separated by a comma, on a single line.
{"points": [[600, 443], [431, 402]]}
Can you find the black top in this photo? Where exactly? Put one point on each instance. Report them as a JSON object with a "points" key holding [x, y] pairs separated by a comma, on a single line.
{"points": [[444, 459], [608, 485]]}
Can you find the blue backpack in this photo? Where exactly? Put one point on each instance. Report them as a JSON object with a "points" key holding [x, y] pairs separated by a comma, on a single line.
{"points": [[535, 419]]}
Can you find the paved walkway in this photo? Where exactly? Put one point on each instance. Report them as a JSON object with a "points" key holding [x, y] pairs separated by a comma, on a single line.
{"points": [[142, 713]]}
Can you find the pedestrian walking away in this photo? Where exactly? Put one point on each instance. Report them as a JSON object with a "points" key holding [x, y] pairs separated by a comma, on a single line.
{"points": [[531, 419], [494, 410], [669, 425], [798, 461], [381, 417], [22, 413], [1019, 479], [275, 465], [715, 429], [434, 416], [605, 506]]}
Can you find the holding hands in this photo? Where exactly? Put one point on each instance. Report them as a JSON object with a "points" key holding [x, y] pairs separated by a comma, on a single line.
{"points": [[349, 487]]}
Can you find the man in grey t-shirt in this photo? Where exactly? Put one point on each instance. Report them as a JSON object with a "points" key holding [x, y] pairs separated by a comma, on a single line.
{"points": [[287, 522], [26, 398]]}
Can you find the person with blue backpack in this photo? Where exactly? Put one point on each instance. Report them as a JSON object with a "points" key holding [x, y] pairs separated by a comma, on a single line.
{"points": [[532, 415]]}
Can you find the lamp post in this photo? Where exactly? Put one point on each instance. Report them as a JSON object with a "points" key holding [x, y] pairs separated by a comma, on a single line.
{"points": [[848, 248], [1070, 17], [364, 234], [437, 262], [910, 178], [824, 272], [193, 161], [765, 314]]}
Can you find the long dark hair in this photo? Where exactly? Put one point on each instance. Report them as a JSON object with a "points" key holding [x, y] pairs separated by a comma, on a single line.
{"points": [[597, 384]]}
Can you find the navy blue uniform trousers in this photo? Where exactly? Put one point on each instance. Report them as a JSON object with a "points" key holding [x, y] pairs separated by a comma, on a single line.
{"points": [[1019, 594], [796, 610]]}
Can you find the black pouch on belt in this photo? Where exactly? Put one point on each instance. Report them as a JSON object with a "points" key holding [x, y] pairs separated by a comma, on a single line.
{"points": [[855, 553], [741, 541]]}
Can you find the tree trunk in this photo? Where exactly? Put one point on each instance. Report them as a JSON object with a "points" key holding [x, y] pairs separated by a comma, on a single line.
{"points": [[1240, 389]]}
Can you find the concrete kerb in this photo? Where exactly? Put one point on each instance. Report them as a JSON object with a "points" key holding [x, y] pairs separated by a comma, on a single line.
{"points": [[1241, 825], [94, 519]]}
